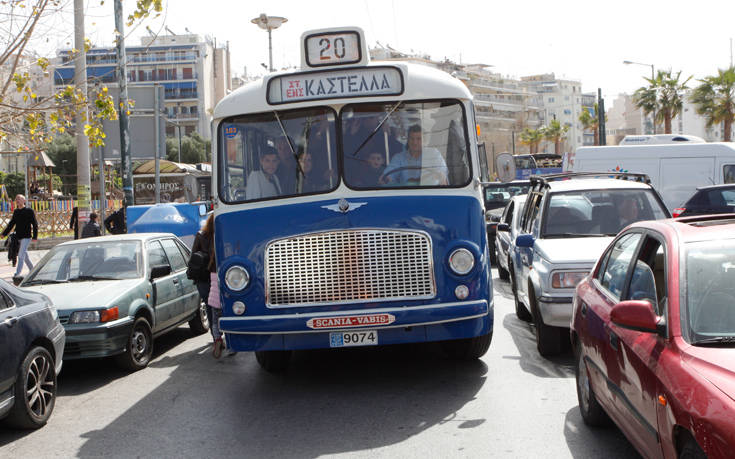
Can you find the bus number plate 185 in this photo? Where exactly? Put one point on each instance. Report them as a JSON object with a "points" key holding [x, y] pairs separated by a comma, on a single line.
{"points": [[353, 338]]}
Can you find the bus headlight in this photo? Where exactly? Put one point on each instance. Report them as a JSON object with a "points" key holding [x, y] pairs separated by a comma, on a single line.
{"points": [[238, 308], [237, 278], [461, 261]]}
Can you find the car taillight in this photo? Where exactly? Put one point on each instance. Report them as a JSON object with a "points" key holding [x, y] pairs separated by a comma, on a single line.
{"points": [[678, 211]]}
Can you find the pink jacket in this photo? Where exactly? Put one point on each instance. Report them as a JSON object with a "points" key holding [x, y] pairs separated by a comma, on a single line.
{"points": [[213, 299]]}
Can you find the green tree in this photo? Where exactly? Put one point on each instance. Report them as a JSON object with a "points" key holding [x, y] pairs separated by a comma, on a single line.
{"points": [[63, 152], [14, 183], [715, 100], [194, 149], [556, 133], [591, 122], [532, 138], [664, 95]]}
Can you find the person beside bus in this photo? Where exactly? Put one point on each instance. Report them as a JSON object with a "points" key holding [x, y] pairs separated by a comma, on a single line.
{"points": [[26, 229], [416, 163], [287, 170], [264, 183], [91, 228], [204, 246], [115, 222]]}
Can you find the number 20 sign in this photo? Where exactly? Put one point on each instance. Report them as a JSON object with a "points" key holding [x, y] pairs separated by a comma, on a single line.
{"points": [[333, 49]]}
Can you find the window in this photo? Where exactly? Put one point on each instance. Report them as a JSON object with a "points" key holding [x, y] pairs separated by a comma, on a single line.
{"points": [[5, 301], [728, 173], [648, 281], [567, 111], [174, 254], [187, 74], [616, 271], [531, 211], [156, 255], [508, 214], [710, 296], [551, 100]]}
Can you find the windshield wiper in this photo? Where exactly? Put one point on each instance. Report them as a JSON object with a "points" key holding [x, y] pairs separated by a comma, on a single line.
{"points": [[44, 282], [377, 128], [91, 278], [716, 340]]}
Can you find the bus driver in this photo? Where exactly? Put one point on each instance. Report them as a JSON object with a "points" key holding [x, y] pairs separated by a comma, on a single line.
{"points": [[264, 183], [416, 165]]}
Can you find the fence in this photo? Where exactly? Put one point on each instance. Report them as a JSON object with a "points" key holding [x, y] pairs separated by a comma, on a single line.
{"points": [[53, 216]]}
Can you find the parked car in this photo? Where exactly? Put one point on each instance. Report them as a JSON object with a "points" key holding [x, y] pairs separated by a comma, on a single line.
{"points": [[506, 232], [31, 346], [715, 199], [567, 221], [115, 294], [497, 196], [653, 331]]}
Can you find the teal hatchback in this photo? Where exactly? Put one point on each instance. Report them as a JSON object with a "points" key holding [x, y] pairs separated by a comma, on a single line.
{"points": [[115, 294]]}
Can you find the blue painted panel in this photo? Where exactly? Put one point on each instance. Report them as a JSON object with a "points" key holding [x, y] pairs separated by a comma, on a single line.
{"points": [[181, 219]]}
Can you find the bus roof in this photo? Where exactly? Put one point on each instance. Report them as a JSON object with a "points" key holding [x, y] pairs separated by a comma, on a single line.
{"points": [[419, 82]]}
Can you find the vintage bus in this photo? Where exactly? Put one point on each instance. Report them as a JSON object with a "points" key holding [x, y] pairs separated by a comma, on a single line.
{"points": [[349, 208]]}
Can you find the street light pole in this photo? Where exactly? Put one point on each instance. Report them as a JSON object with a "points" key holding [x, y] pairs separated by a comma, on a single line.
{"points": [[269, 23], [653, 77]]}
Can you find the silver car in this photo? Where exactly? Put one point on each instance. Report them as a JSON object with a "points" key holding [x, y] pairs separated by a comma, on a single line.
{"points": [[506, 231], [115, 294]]}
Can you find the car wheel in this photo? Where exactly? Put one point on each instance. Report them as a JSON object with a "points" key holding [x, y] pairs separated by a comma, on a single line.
{"points": [[139, 347], [199, 324], [691, 450], [521, 311], [468, 348], [548, 338], [35, 390], [592, 413], [273, 361]]}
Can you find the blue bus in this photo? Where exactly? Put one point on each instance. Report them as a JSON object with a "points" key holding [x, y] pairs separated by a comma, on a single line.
{"points": [[349, 207]]}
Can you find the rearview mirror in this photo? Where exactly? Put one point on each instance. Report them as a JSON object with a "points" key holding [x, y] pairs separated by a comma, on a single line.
{"points": [[502, 227], [635, 315], [524, 240], [160, 271]]}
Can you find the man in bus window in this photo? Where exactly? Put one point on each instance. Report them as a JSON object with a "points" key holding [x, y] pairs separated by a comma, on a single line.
{"points": [[287, 170], [416, 165], [264, 183]]}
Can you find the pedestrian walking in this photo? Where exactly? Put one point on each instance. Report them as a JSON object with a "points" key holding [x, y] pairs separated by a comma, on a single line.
{"points": [[26, 229], [91, 228], [198, 268], [74, 222]]}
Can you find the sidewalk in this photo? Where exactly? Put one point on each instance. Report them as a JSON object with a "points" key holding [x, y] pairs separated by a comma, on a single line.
{"points": [[7, 269]]}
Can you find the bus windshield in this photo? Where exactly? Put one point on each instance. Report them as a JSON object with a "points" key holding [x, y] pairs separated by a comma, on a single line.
{"points": [[383, 145]]}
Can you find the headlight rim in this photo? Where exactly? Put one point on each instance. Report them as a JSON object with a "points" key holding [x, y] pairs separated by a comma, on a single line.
{"points": [[245, 272], [454, 268]]}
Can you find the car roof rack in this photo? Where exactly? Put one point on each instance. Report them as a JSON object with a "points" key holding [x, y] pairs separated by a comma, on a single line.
{"points": [[546, 178], [707, 220]]}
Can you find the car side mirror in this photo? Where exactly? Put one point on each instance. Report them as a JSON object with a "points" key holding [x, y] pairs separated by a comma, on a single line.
{"points": [[502, 227], [160, 271], [635, 315], [524, 240]]}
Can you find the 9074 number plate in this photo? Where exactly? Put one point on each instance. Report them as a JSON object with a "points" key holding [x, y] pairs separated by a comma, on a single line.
{"points": [[353, 338]]}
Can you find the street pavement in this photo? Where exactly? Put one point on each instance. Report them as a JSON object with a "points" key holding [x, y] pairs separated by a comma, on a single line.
{"points": [[7, 269], [400, 401]]}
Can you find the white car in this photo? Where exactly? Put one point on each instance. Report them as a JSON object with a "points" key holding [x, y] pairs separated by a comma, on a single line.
{"points": [[506, 231]]}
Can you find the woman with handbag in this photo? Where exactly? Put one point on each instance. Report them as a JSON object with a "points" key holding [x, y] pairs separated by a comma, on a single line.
{"points": [[201, 253]]}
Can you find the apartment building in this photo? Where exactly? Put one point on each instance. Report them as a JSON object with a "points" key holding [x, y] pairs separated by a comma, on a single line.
{"points": [[195, 73]]}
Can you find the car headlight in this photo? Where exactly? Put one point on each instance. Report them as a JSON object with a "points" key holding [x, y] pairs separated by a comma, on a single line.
{"points": [[563, 279], [237, 278], [84, 317], [461, 261]]}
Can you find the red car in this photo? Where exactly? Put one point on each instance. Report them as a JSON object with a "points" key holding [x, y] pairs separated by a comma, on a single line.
{"points": [[653, 330]]}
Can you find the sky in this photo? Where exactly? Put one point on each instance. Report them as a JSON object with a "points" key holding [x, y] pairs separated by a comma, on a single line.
{"points": [[581, 40]]}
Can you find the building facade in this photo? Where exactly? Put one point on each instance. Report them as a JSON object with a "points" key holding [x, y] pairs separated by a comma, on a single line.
{"points": [[194, 72]]}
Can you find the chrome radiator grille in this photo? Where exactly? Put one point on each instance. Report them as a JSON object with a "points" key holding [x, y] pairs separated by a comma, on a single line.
{"points": [[349, 266]]}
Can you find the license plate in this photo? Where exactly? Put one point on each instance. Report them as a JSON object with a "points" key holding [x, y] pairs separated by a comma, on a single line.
{"points": [[353, 338]]}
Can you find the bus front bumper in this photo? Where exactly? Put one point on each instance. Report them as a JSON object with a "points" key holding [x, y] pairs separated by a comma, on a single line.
{"points": [[408, 324]]}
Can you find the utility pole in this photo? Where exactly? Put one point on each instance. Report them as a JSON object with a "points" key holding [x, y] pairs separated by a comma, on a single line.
{"points": [[601, 116], [80, 81], [122, 79], [156, 118]]}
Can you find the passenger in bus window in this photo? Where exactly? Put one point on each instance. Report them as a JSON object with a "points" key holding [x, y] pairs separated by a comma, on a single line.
{"points": [[320, 144], [374, 169], [416, 165], [287, 170], [264, 183], [309, 183]]}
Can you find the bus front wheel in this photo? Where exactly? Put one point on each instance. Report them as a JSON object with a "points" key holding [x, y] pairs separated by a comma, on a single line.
{"points": [[273, 361], [468, 348]]}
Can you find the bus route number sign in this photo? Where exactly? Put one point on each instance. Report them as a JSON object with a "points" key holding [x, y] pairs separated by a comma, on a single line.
{"points": [[333, 49]]}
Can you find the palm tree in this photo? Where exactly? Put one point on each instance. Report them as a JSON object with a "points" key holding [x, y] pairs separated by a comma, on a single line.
{"points": [[664, 95], [715, 99], [556, 133], [591, 123], [532, 138]]}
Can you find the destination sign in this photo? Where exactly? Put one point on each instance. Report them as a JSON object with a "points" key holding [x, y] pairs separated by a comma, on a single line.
{"points": [[358, 82]]}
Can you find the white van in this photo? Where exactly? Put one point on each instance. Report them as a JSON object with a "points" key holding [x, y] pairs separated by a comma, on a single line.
{"points": [[676, 170], [660, 139]]}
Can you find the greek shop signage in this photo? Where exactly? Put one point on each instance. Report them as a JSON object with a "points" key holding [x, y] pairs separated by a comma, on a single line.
{"points": [[363, 82]]}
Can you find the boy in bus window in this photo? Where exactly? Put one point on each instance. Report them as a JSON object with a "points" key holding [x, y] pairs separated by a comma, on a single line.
{"points": [[374, 169], [264, 183], [416, 165]]}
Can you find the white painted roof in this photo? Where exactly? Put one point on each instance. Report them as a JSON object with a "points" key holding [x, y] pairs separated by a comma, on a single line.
{"points": [[595, 184]]}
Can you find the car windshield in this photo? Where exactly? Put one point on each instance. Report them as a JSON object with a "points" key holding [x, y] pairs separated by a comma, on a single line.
{"points": [[405, 144], [497, 196], [710, 291], [90, 261], [599, 212]]}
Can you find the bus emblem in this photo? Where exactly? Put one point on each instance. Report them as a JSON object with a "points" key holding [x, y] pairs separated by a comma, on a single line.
{"points": [[343, 206]]}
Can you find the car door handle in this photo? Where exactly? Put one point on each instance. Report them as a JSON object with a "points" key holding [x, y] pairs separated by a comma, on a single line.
{"points": [[10, 321], [176, 281]]}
